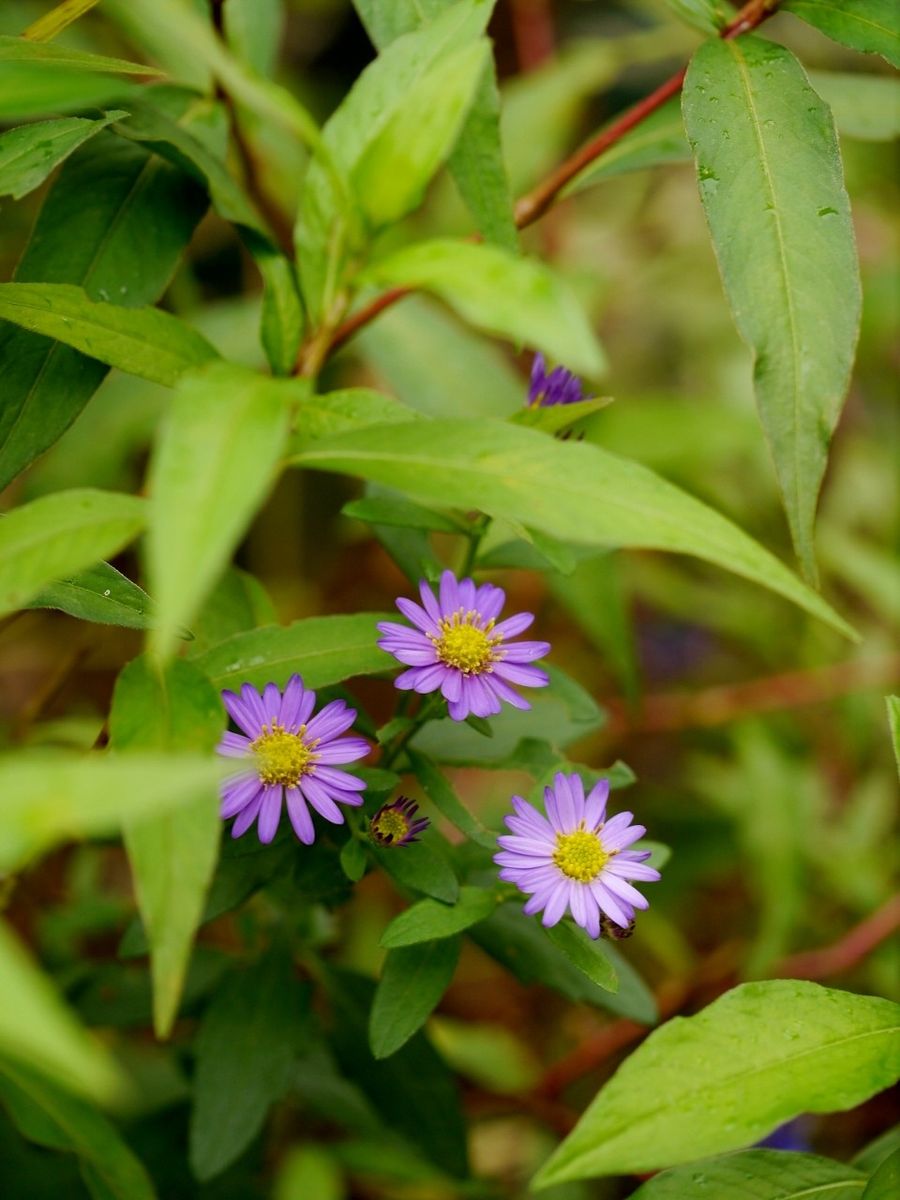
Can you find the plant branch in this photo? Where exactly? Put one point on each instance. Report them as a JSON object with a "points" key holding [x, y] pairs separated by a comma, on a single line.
{"points": [[535, 203], [849, 950]]}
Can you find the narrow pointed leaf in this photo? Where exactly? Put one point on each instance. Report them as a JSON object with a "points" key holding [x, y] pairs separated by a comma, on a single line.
{"points": [[215, 460], [413, 980], [757, 1175], [141, 341], [575, 491], [870, 26], [429, 919], [100, 594], [728, 1076], [17, 49], [54, 536], [30, 153], [173, 855], [514, 297], [772, 186]]}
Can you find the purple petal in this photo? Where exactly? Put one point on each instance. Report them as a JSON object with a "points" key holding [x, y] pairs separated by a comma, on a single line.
{"points": [[419, 617], [270, 813], [513, 626], [631, 870], [556, 905], [504, 692], [538, 378], [610, 904], [422, 679], [449, 594], [412, 656], [237, 794], [529, 814], [331, 721], [429, 602], [521, 674], [489, 601], [290, 702], [271, 701], [253, 704], [451, 685], [321, 801], [467, 595], [522, 652], [338, 779], [299, 816], [595, 805], [624, 891], [234, 745], [247, 815], [241, 714], [344, 750]]}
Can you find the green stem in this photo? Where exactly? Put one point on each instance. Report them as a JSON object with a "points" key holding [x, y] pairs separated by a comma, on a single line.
{"points": [[475, 538], [427, 711]]}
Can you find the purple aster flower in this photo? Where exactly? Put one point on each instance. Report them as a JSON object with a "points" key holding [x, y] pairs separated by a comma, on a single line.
{"points": [[288, 756], [574, 858], [558, 387], [458, 649], [396, 824]]}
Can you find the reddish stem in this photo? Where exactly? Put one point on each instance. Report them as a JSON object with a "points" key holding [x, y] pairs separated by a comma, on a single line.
{"points": [[535, 203]]}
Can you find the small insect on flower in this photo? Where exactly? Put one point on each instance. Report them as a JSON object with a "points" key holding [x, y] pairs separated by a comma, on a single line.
{"points": [[396, 824], [558, 387], [458, 649], [288, 756], [574, 858]]}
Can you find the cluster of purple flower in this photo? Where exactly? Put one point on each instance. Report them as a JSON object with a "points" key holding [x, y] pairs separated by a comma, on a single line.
{"points": [[573, 859]]}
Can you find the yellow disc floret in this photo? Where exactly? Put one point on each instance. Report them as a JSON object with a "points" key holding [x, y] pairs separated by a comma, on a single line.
{"points": [[389, 825], [282, 757], [580, 855], [465, 644]]}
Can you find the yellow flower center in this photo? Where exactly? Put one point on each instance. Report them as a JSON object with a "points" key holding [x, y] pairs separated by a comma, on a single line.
{"points": [[390, 825], [580, 855], [282, 757], [464, 644]]}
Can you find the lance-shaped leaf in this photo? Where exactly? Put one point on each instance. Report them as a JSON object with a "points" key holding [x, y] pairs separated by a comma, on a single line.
{"points": [[54, 536], [413, 980], [215, 460], [50, 1117], [141, 341], [101, 594], [772, 186], [867, 25], [515, 297], [728, 1076], [30, 153], [575, 491], [173, 855], [37, 1030], [324, 650], [17, 49], [757, 1175], [115, 223]]}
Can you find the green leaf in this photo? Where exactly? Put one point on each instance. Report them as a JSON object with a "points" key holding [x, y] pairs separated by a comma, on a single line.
{"points": [[39, 1032], [54, 536], [757, 1175], [419, 868], [428, 919], [587, 955], [389, 510], [100, 594], [172, 856], [390, 177], [413, 980], [142, 341], [872, 1155], [864, 106], [885, 1183], [215, 460], [425, 355], [772, 186], [245, 1049], [521, 945], [893, 710], [353, 860], [324, 650], [575, 491], [282, 313], [115, 222], [709, 16], [35, 89], [45, 799], [477, 160], [237, 603], [658, 139], [30, 153], [329, 222], [870, 26], [344, 410], [16, 49], [514, 297], [50, 1117], [755, 1058], [446, 801], [308, 1171], [558, 416]]}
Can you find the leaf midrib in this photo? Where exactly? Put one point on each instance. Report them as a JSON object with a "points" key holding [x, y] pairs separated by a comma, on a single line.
{"points": [[785, 278], [709, 1088], [848, 16]]}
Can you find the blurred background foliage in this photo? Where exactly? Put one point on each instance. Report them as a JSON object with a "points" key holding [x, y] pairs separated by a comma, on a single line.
{"points": [[758, 737]]}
